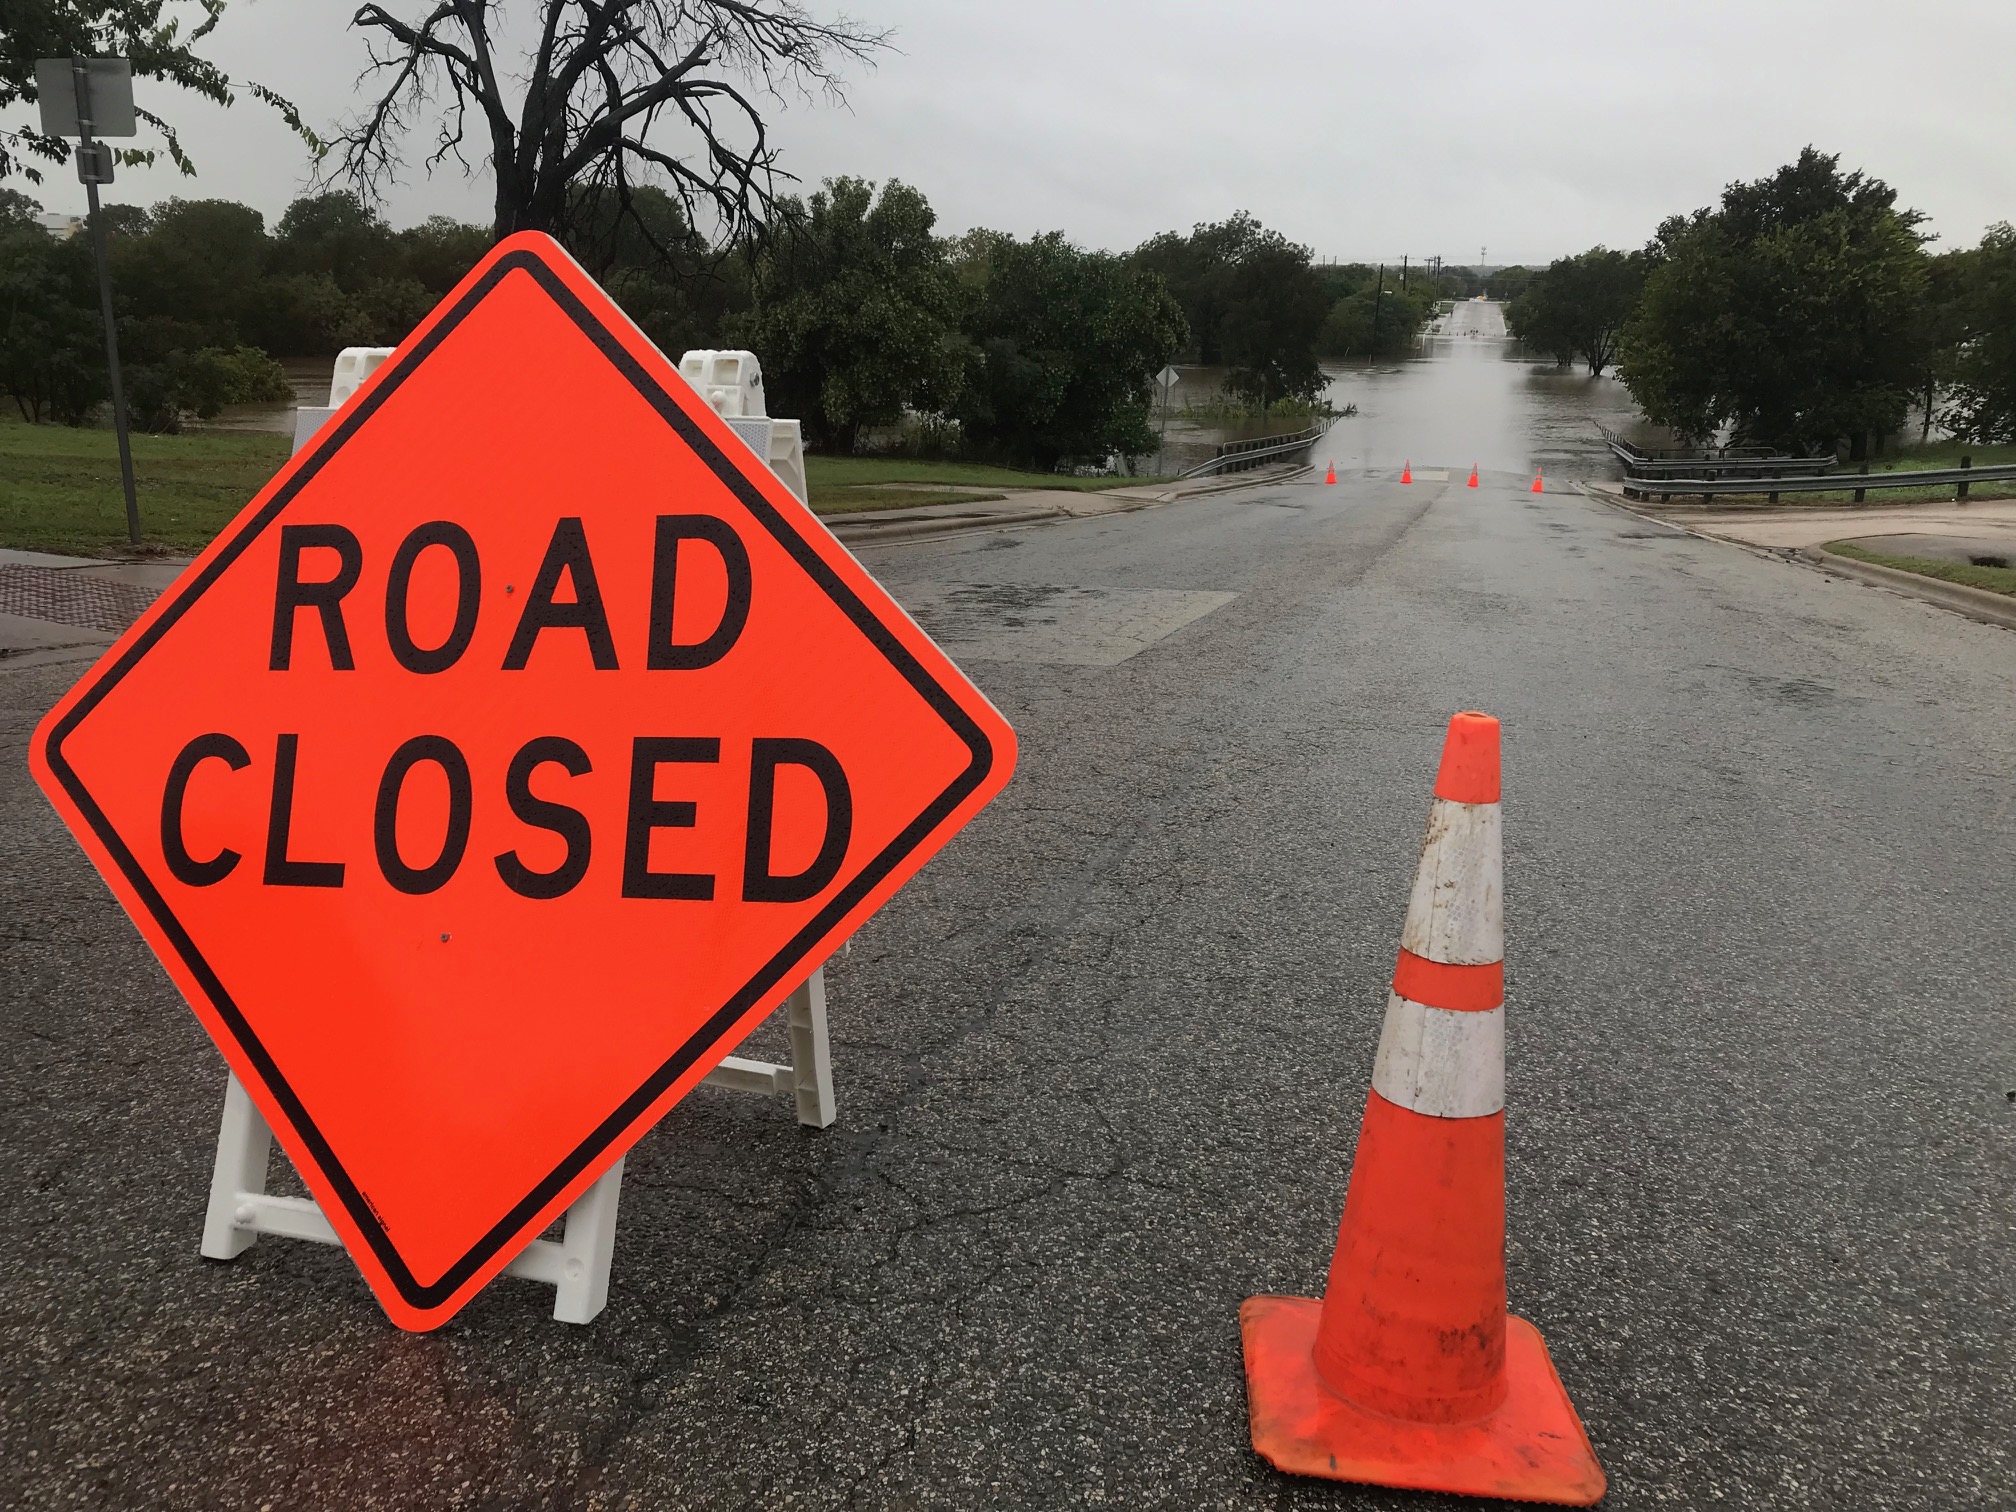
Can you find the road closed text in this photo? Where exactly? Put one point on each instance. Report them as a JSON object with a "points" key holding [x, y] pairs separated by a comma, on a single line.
{"points": [[319, 618]]}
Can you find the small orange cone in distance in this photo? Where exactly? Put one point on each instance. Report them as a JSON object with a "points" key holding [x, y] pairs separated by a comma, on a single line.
{"points": [[1331, 475], [1473, 479], [1407, 471], [1538, 474], [1409, 1373]]}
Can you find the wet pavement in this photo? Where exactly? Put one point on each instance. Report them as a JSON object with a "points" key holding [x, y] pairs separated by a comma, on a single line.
{"points": [[1100, 1067]]}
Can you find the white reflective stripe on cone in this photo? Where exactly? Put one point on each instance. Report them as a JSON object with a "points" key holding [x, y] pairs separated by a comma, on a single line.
{"points": [[1440, 1062], [1457, 913]]}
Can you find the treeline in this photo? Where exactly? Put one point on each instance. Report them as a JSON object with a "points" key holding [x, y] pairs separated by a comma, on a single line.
{"points": [[1804, 311], [206, 297], [1030, 351]]}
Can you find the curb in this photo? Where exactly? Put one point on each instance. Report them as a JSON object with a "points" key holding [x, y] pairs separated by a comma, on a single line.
{"points": [[1975, 603], [859, 532]]}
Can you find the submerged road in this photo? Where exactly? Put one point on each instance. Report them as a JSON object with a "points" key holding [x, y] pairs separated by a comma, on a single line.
{"points": [[1100, 1068]]}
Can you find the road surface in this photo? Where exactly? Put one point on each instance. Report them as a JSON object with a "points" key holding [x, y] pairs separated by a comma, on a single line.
{"points": [[1101, 1066]]}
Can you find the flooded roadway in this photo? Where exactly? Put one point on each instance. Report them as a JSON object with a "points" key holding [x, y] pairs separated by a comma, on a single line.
{"points": [[1473, 398]]}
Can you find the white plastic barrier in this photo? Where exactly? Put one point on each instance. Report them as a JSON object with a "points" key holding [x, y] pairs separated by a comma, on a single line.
{"points": [[353, 366]]}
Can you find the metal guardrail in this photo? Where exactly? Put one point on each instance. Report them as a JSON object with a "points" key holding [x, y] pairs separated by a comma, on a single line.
{"points": [[1957, 478], [1238, 456], [1737, 461]]}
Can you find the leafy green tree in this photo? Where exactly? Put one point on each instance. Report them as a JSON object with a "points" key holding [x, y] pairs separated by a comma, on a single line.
{"points": [[191, 271], [1790, 314], [337, 234], [161, 37], [1371, 314], [855, 311], [1065, 345], [201, 383], [1984, 362], [439, 251], [1945, 320], [52, 362], [1252, 301], [1578, 306]]}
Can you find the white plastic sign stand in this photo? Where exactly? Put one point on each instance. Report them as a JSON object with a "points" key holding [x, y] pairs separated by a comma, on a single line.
{"points": [[576, 1266]]}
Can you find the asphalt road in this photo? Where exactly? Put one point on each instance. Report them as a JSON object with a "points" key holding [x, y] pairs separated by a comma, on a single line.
{"points": [[1101, 1066]]}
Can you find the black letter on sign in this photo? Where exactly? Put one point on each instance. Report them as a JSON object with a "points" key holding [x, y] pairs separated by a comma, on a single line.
{"points": [[665, 654], [280, 871], [468, 591], [569, 824], [567, 552], [185, 867], [385, 820], [291, 595], [647, 813], [758, 885]]}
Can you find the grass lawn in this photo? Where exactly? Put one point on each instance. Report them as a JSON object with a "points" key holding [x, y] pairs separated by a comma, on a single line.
{"points": [[59, 487], [1994, 579]]}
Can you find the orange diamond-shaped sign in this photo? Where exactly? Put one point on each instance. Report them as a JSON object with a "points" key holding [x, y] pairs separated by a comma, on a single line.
{"points": [[502, 765]]}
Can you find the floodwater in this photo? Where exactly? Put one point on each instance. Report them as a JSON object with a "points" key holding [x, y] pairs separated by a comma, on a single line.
{"points": [[1469, 398], [1473, 398]]}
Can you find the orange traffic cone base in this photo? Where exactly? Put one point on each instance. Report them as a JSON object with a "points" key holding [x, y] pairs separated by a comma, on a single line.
{"points": [[1533, 1448]]}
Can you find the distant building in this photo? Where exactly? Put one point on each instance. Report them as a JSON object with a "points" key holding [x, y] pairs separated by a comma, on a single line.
{"points": [[62, 227]]}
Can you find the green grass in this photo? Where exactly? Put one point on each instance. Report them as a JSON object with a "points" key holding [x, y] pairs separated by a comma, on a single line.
{"points": [[1994, 579], [59, 487]]}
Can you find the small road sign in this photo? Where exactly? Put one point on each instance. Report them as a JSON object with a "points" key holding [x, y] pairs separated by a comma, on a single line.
{"points": [[1168, 377], [508, 758], [75, 92]]}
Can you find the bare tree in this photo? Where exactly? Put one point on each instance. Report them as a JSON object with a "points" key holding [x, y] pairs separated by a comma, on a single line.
{"points": [[601, 91]]}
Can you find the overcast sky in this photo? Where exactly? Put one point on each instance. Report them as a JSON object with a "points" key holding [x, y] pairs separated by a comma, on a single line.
{"points": [[1533, 129]]}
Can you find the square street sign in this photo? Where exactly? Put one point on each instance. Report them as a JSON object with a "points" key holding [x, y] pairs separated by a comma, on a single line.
{"points": [[505, 762], [109, 82]]}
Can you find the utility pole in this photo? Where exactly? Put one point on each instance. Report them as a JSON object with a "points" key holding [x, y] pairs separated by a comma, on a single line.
{"points": [[1378, 293]]}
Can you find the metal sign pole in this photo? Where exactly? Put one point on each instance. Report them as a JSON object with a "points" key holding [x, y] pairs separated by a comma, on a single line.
{"points": [[91, 169]]}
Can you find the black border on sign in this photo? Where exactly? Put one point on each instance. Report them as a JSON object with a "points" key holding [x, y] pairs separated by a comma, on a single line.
{"points": [[429, 1296]]}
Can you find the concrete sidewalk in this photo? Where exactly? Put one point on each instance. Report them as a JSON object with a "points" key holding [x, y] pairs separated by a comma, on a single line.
{"points": [[1787, 528], [64, 608], [1033, 506]]}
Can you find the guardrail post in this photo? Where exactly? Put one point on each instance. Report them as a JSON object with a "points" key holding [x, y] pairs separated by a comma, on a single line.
{"points": [[1960, 489], [1862, 493]]}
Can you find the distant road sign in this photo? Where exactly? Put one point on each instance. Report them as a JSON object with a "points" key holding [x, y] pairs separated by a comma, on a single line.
{"points": [[506, 760], [109, 83], [1168, 377]]}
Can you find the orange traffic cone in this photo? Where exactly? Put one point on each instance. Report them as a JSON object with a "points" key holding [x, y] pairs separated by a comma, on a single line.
{"points": [[1407, 472], [1409, 1373], [1473, 479], [1331, 475], [1538, 474]]}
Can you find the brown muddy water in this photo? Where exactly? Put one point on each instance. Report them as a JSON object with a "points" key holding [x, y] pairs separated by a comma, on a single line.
{"points": [[1469, 397]]}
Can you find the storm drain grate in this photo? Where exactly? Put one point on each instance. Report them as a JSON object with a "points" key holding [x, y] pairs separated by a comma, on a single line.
{"points": [[64, 597]]}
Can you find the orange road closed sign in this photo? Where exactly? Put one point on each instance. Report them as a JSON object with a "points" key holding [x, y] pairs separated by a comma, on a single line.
{"points": [[502, 765]]}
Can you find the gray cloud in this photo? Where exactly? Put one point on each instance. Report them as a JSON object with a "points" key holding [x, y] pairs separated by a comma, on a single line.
{"points": [[1365, 132]]}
